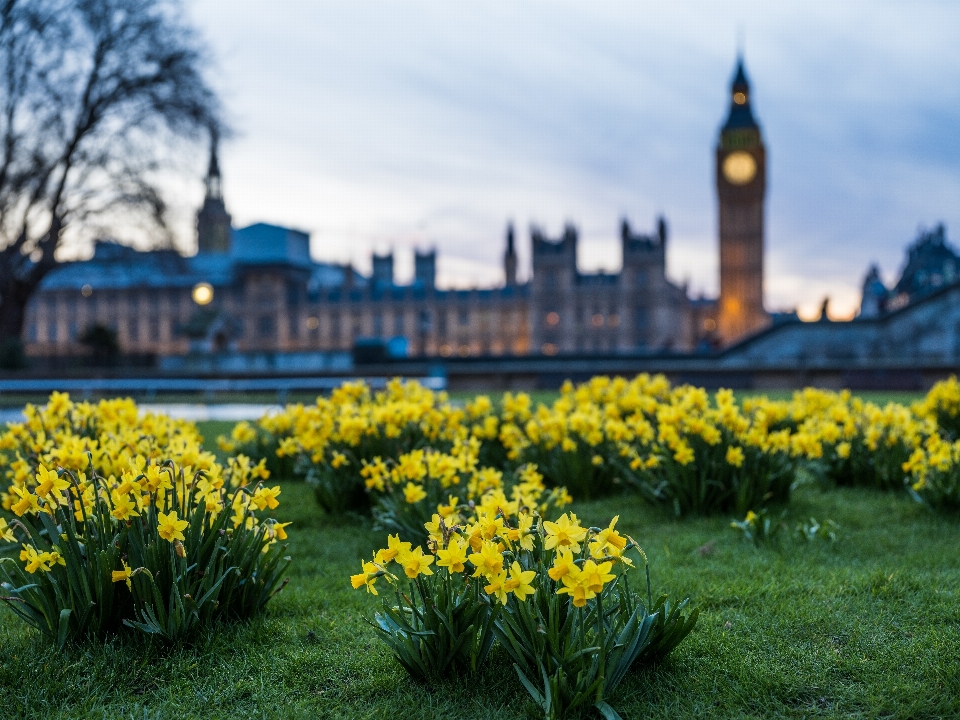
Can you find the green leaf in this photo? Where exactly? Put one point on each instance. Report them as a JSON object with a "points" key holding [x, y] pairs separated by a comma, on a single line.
{"points": [[608, 712], [64, 627]]}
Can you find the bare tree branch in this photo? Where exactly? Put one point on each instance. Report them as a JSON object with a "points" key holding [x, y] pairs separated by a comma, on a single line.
{"points": [[93, 93]]}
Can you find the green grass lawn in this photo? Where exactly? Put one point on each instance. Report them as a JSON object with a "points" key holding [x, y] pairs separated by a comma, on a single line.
{"points": [[868, 626]]}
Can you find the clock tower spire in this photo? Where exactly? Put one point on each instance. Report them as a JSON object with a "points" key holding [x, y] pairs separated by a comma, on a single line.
{"points": [[213, 220], [741, 185]]}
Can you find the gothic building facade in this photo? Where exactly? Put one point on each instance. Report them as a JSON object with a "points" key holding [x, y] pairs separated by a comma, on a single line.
{"points": [[257, 289], [931, 264]]}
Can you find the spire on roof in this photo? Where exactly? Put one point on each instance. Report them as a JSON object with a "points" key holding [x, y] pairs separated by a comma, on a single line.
{"points": [[740, 117], [213, 181], [213, 220], [740, 77]]}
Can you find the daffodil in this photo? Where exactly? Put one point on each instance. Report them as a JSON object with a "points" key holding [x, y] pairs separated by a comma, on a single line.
{"points": [[123, 575], [26, 503], [564, 533], [394, 547], [454, 556], [280, 529], [735, 456], [50, 483], [574, 586], [489, 561], [413, 493], [123, 507], [367, 578], [415, 563], [170, 527], [522, 534], [519, 581], [265, 498], [594, 576], [609, 542], [497, 586], [563, 564]]}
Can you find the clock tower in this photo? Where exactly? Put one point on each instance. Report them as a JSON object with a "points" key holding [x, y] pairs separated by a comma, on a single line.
{"points": [[741, 184]]}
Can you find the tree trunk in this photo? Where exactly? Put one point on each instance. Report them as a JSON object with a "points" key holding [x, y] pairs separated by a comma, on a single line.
{"points": [[19, 283], [13, 309]]}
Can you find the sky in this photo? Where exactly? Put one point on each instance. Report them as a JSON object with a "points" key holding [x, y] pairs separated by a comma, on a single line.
{"points": [[415, 124]]}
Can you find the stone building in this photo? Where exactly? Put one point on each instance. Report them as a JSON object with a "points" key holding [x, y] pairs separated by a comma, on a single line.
{"points": [[256, 289], [635, 309], [931, 263]]}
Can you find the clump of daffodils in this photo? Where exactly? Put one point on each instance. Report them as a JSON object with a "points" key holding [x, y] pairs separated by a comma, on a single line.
{"points": [[553, 592], [851, 442], [942, 404], [423, 486], [329, 442], [703, 455], [160, 546], [933, 473], [65, 434]]}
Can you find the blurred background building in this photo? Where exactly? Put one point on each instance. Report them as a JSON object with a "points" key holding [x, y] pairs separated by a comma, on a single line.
{"points": [[256, 289]]}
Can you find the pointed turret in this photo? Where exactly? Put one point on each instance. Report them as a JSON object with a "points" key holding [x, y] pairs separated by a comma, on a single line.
{"points": [[740, 116], [213, 180], [510, 259], [213, 220]]}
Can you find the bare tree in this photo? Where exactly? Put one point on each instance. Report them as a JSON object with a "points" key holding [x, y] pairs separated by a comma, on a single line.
{"points": [[94, 97]]}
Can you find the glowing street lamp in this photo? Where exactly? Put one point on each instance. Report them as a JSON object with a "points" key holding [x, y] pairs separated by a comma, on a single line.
{"points": [[202, 293]]}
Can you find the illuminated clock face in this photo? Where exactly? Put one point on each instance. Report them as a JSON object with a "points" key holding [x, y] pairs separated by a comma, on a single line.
{"points": [[739, 167]]}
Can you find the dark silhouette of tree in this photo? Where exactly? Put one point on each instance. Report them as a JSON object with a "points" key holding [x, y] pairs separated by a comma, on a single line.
{"points": [[97, 99], [103, 344]]}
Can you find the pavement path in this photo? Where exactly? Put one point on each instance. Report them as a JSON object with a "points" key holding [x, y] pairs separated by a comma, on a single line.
{"points": [[233, 412]]}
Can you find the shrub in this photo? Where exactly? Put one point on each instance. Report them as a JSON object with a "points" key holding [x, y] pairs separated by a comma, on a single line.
{"points": [[336, 436], [705, 459], [555, 593], [409, 492], [851, 442], [576, 442], [942, 404], [262, 441], [160, 549], [934, 473]]}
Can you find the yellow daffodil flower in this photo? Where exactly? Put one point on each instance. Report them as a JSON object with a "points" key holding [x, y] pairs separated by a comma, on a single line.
{"points": [[519, 582], [170, 527], [564, 533], [454, 556]]}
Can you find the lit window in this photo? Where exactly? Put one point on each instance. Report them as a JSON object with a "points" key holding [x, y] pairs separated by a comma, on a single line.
{"points": [[313, 323], [613, 320], [446, 350], [549, 349], [553, 318], [597, 320], [463, 350]]}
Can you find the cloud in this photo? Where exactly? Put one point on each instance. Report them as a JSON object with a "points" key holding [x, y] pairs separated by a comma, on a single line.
{"points": [[433, 124]]}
